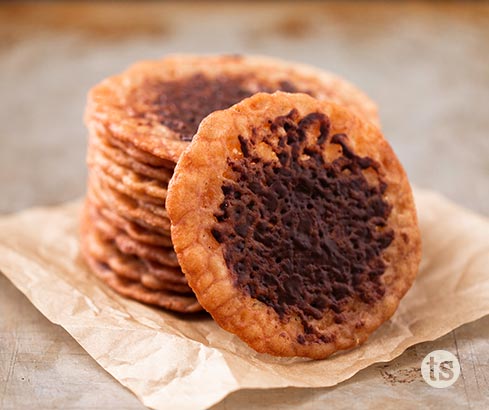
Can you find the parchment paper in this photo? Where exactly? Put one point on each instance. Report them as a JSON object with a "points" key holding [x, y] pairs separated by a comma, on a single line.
{"points": [[176, 362]]}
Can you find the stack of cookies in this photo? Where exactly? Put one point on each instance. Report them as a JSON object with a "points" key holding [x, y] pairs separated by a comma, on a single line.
{"points": [[261, 191], [140, 123], [126, 231]]}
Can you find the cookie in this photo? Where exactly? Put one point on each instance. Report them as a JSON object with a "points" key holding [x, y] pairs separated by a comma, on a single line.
{"points": [[105, 247], [125, 180], [164, 256], [132, 229], [98, 129], [144, 157], [135, 290], [155, 107], [294, 223], [155, 276], [122, 188], [100, 223], [127, 245], [117, 156], [104, 195]]}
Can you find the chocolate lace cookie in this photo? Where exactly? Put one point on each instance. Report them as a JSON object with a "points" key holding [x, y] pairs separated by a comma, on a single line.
{"points": [[294, 223], [156, 106]]}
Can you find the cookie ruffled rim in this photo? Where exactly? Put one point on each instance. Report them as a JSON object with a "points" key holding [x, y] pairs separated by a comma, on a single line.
{"points": [[107, 106]]}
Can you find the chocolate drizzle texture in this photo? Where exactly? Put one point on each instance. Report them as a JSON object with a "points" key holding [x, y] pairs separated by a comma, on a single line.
{"points": [[182, 104], [302, 234]]}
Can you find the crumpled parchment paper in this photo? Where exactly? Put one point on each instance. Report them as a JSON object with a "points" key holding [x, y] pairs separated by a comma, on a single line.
{"points": [[172, 361]]}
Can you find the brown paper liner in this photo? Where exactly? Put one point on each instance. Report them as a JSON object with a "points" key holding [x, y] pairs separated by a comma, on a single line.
{"points": [[169, 361]]}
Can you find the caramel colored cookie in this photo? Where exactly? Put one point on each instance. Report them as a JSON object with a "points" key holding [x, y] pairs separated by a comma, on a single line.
{"points": [[156, 277], [102, 194], [135, 231], [122, 188], [155, 209], [104, 220], [126, 180], [164, 256], [154, 108], [135, 290], [294, 223], [131, 266], [139, 155], [117, 156]]}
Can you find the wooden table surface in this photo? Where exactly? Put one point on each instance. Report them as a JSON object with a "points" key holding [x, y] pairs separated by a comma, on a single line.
{"points": [[426, 64]]}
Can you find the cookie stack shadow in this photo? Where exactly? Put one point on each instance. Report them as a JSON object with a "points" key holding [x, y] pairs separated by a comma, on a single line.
{"points": [[125, 227]]}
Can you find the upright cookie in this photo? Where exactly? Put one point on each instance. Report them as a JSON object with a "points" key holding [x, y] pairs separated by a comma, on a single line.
{"points": [[294, 223]]}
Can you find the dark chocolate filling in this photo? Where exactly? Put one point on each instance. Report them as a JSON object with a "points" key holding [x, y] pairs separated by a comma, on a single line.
{"points": [[304, 235], [181, 105]]}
